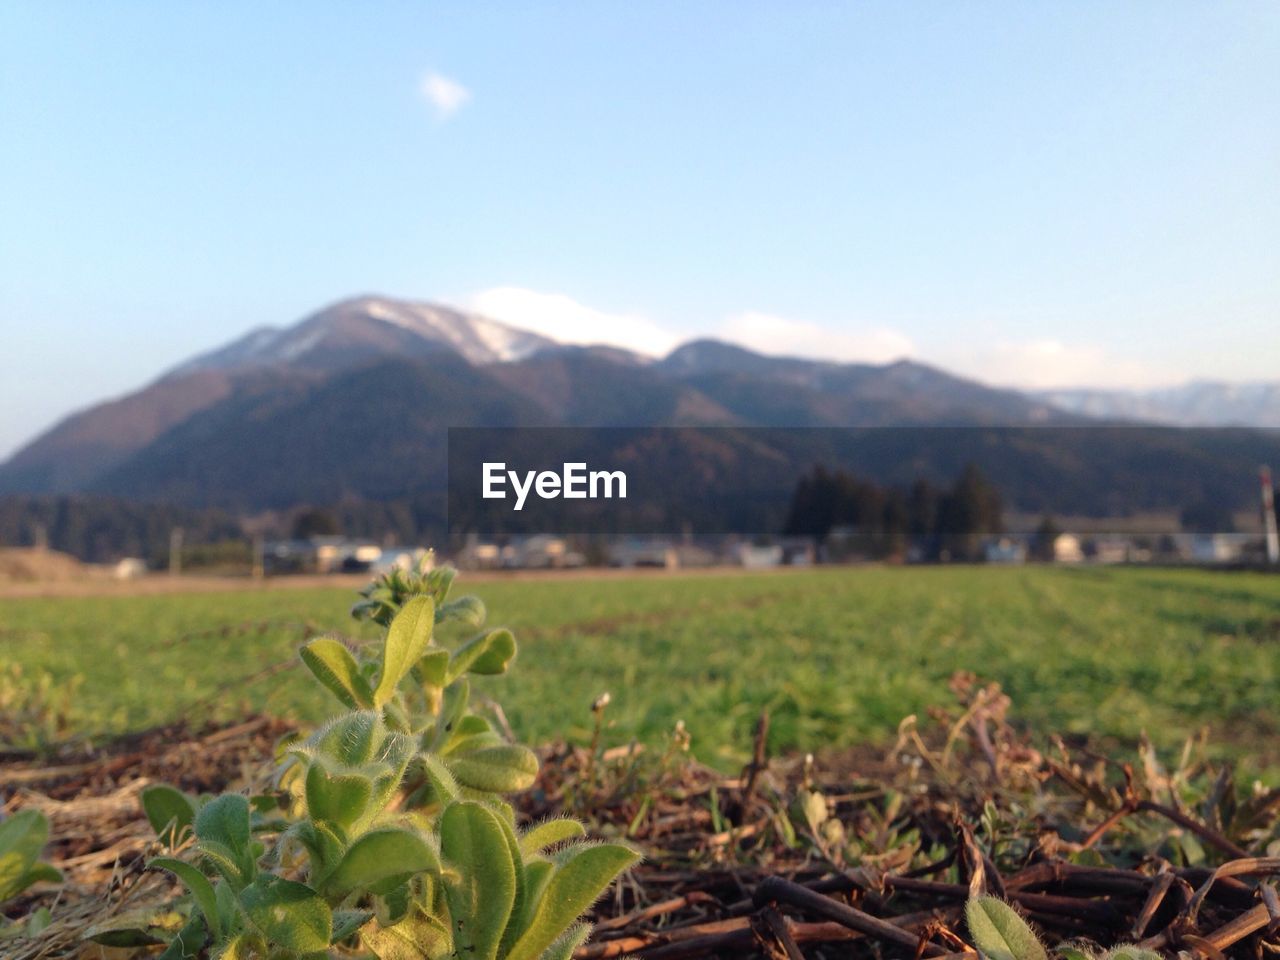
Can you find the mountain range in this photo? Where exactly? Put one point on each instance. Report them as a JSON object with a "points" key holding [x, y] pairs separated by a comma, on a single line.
{"points": [[1200, 403], [352, 402]]}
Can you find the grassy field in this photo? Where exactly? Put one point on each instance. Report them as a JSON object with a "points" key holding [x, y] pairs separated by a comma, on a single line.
{"points": [[837, 655]]}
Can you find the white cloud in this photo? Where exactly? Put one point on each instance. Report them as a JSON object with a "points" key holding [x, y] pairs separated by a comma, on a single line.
{"points": [[562, 318], [1042, 364], [1024, 364], [445, 95], [767, 333]]}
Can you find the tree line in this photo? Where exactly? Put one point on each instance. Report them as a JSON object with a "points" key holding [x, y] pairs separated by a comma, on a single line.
{"points": [[99, 529], [852, 516]]}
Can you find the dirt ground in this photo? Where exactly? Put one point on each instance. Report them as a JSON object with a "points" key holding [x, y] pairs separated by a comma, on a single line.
{"points": [[27, 566]]}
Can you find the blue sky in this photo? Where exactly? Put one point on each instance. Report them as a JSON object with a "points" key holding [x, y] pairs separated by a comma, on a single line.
{"points": [[1028, 193]]}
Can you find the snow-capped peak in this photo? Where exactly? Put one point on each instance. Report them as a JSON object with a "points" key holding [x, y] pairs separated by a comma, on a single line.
{"points": [[363, 327]]}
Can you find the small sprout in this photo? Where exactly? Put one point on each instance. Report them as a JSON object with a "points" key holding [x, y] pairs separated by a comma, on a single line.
{"points": [[394, 833]]}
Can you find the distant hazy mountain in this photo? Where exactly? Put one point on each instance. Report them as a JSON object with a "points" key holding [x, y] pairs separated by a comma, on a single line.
{"points": [[161, 432], [69, 456], [791, 391], [353, 402], [84, 447], [1199, 403]]}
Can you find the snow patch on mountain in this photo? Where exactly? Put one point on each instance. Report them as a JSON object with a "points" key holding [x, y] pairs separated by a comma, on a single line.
{"points": [[1199, 403], [365, 326]]}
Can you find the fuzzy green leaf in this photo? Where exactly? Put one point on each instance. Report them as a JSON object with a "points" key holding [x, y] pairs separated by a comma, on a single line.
{"points": [[323, 844], [453, 708], [468, 611], [225, 821], [489, 653], [503, 769], [224, 861], [199, 886], [413, 938], [1131, 951], [135, 928], [440, 582], [1000, 933], [168, 810], [537, 874], [41, 873], [333, 665], [536, 839], [238, 948], [406, 642], [22, 837], [390, 908], [481, 883], [341, 798], [576, 885], [431, 668], [190, 940], [472, 725], [380, 861], [351, 740], [439, 787], [570, 941], [347, 922], [288, 913], [472, 732], [507, 820]]}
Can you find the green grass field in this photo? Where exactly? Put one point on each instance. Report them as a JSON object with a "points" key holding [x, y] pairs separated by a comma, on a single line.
{"points": [[837, 655]]}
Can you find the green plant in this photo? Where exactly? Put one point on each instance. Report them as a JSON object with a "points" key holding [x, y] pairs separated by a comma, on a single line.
{"points": [[388, 592], [422, 689], [36, 710], [1000, 933], [22, 839], [388, 831]]}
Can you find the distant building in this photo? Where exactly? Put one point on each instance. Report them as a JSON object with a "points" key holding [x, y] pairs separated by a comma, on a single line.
{"points": [[1115, 550], [338, 554], [759, 557], [398, 558], [479, 555], [799, 551], [319, 555], [1004, 550], [1067, 549], [129, 568], [644, 553], [541, 552], [691, 555], [1211, 548]]}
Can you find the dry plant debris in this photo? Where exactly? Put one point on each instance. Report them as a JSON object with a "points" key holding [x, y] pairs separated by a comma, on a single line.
{"points": [[856, 854]]}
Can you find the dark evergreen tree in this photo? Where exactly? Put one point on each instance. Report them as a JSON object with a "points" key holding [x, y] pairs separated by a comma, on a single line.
{"points": [[1043, 540], [1208, 516], [315, 522]]}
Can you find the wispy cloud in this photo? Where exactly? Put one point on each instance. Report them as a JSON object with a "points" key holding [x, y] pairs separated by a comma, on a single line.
{"points": [[445, 95], [768, 333], [564, 319]]}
